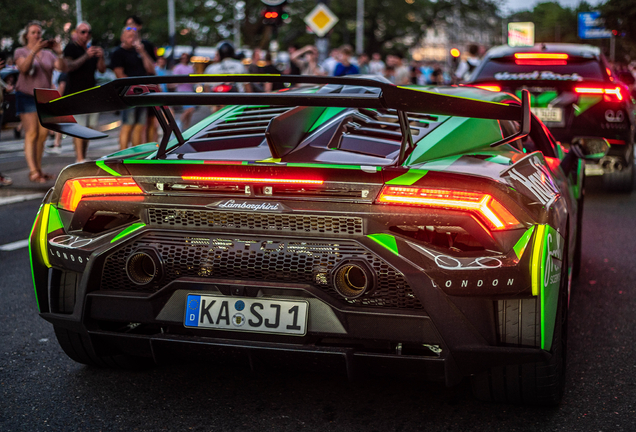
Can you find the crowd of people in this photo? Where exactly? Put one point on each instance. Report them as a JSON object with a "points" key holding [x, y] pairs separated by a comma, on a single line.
{"points": [[395, 67], [43, 63]]}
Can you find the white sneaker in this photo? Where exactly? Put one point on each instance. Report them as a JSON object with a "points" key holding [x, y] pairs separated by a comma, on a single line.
{"points": [[54, 150]]}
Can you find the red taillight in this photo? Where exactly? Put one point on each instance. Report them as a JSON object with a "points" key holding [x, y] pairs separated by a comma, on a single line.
{"points": [[495, 215], [608, 92], [542, 56], [541, 62], [223, 88], [75, 190], [252, 180], [541, 59]]}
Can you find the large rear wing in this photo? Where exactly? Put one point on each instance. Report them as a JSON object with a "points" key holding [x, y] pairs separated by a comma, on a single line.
{"points": [[56, 112]]}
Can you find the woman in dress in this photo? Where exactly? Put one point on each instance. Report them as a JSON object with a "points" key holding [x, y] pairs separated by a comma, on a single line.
{"points": [[35, 61]]}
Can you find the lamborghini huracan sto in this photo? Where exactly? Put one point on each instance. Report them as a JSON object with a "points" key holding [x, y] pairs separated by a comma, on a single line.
{"points": [[427, 231]]}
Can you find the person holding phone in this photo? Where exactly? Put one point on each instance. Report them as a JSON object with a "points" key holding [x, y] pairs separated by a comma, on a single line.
{"points": [[134, 23], [82, 61], [36, 61], [132, 60]]}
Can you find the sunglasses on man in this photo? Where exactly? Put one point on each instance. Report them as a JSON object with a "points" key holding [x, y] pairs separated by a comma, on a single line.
{"points": [[131, 28], [85, 31]]}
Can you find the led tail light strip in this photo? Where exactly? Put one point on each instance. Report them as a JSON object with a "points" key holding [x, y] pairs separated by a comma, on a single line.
{"points": [[614, 91], [494, 88], [541, 59], [253, 180], [541, 62], [75, 190], [485, 206], [541, 56]]}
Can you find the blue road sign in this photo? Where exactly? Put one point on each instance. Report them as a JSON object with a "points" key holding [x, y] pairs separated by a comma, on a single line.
{"points": [[591, 26]]}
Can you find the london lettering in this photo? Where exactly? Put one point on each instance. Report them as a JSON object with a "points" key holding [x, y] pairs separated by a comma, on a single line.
{"points": [[480, 283]]}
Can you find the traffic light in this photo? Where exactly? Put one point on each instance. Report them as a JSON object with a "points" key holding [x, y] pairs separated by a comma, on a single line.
{"points": [[274, 15]]}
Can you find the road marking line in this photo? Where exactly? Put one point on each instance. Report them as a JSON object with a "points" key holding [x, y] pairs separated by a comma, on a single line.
{"points": [[15, 245], [20, 198]]}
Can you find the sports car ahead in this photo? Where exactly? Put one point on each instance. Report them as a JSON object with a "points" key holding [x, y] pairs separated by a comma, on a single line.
{"points": [[575, 94], [426, 231]]}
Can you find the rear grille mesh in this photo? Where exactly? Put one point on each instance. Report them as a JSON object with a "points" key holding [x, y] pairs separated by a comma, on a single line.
{"points": [[246, 258], [256, 221]]}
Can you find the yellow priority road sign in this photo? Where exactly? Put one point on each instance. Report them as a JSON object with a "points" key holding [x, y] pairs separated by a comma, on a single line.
{"points": [[320, 20]]}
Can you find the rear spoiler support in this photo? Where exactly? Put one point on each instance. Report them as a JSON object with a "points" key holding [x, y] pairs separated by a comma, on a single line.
{"points": [[524, 130], [169, 126], [406, 146]]}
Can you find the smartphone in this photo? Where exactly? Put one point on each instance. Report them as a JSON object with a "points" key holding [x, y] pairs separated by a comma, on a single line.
{"points": [[50, 43]]}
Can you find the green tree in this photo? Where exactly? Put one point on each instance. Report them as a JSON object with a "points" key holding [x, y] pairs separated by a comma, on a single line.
{"points": [[553, 22], [394, 24], [389, 24], [53, 14]]}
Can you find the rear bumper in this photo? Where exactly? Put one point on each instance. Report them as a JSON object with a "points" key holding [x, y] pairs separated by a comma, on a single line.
{"points": [[371, 341], [444, 366], [434, 322]]}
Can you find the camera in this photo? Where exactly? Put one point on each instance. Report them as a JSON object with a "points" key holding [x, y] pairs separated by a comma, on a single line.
{"points": [[50, 43]]}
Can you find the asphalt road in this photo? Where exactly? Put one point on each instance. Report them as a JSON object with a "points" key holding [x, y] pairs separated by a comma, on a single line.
{"points": [[41, 389]]}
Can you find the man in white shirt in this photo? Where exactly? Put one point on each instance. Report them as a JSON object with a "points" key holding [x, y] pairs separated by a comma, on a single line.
{"points": [[376, 65], [330, 63], [402, 71], [467, 66], [227, 64]]}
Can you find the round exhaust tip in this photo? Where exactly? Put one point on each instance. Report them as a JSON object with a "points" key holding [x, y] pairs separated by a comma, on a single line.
{"points": [[352, 279], [144, 266], [618, 166]]}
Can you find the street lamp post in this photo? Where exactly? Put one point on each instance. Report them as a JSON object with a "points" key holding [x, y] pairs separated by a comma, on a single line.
{"points": [[171, 30], [78, 10], [360, 27]]}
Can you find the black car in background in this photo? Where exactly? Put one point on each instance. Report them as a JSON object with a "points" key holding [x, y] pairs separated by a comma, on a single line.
{"points": [[575, 93]]}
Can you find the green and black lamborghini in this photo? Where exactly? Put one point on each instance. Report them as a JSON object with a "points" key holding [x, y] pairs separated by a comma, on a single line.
{"points": [[430, 231]]}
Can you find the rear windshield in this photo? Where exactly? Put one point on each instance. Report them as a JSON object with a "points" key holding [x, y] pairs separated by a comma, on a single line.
{"points": [[505, 69]]}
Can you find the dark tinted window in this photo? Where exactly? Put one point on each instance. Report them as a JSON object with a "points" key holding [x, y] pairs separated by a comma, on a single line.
{"points": [[506, 70]]}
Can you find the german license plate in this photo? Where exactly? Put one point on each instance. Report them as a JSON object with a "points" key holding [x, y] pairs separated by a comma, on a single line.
{"points": [[548, 114], [247, 314]]}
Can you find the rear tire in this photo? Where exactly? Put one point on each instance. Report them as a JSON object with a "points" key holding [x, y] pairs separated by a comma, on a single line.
{"points": [[80, 348], [540, 383], [620, 181]]}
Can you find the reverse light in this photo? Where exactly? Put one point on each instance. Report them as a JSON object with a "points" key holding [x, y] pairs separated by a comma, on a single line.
{"points": [[495, 215], [607, 92], [75, 190], [252, 180]]}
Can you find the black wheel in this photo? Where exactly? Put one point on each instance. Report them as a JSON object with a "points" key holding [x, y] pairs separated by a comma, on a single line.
{"points": [[620, 181], [80, 347], [539, 383]]}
